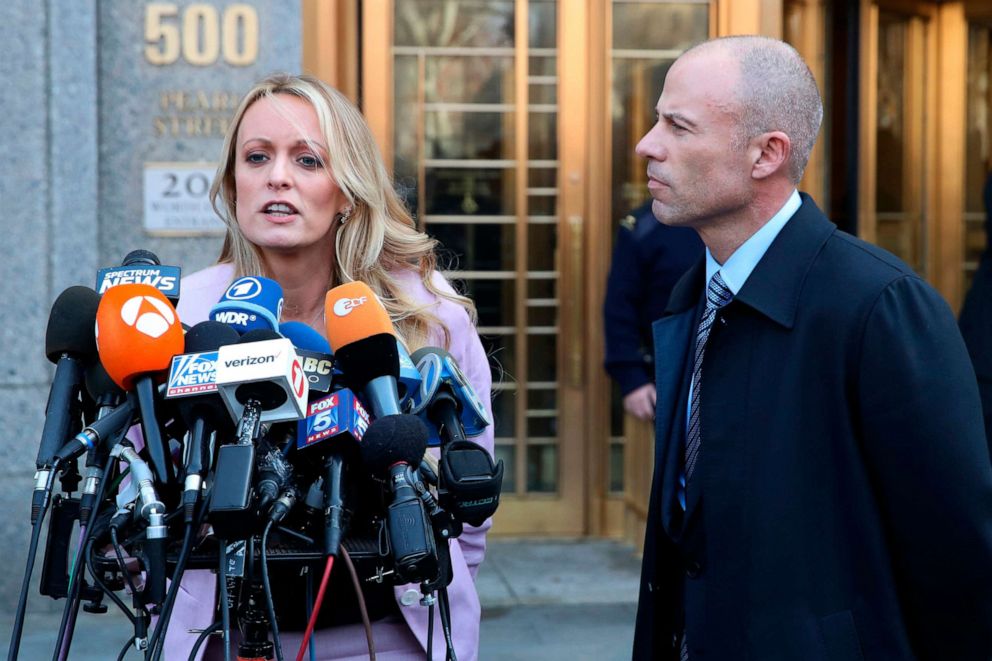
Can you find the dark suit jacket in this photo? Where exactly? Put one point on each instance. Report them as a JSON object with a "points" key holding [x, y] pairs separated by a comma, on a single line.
{"points": [[841, 506]]}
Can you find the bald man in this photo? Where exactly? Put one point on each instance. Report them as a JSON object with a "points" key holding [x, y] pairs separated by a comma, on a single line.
{"points": [[822, 487]]}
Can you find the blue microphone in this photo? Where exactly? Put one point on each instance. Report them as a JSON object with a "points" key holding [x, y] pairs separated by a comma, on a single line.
{"points": [[440, 374], [250, 303], [315, 352], [409, 379]]}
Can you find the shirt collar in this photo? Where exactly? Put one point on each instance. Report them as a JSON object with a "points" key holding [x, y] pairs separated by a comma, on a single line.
{"points": [[738, 267]]}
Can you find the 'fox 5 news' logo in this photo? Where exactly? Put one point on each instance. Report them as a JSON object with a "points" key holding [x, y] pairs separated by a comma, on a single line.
{"points": [[192, 374]]}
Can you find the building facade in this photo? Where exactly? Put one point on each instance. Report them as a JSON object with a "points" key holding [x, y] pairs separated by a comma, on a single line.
{"points": [[510, 127]]}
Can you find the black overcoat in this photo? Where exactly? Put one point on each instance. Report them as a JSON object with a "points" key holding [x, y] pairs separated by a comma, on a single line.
{"points": [[841, 506]]}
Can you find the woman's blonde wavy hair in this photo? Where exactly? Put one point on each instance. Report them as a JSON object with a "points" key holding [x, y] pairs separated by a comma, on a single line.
{"points": [[379, 239]]}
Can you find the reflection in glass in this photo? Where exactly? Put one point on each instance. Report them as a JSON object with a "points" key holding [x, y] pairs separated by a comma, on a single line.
{"points": [[492, 301], [635, 25], [476, 247], [470, 191], [508, 454], [504, 405], [978, 150], [542, 351], [542, 246], [542, 468], [474, 23]]}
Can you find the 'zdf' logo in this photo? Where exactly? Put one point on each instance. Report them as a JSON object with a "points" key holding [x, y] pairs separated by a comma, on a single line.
{"points": [[344, 306], [148, 315], [244, 289]]}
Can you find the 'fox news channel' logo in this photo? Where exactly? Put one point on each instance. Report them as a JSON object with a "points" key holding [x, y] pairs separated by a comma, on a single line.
{"points": [[192, 374]]}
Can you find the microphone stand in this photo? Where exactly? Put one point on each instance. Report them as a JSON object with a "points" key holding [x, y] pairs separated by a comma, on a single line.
{"points": [[253, 620]]}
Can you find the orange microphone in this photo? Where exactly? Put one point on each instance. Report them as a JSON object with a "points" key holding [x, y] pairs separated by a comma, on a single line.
{"points": [[364, 344], [137, 334]]}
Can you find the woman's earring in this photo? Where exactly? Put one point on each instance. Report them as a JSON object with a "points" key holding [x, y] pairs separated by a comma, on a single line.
{"points": [[344, 215]]}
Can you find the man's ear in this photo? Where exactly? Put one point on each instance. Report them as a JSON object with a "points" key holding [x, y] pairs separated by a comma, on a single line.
{"points": [[772, 151]]}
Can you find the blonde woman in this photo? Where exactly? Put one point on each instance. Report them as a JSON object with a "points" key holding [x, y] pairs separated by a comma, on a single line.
{"points": [[307, 201]]}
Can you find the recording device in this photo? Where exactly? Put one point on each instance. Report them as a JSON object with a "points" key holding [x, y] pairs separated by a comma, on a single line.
{"points": [[250, 303], [141, 267], [314, 351], [364, 344], [193, 381], [391, 446], [151, 509], [261, 380], [409, 379], [69, 342], [137, 334], [334, 426], [470, 482]]}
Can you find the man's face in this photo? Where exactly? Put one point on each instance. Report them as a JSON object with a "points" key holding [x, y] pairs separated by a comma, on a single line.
{"points": [[695, 174]]}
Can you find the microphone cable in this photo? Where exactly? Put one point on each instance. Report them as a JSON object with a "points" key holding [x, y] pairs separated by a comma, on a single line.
{"points": [[269, 605], [444, 608], [157, 642], [361, 602], [22, 600], [90, 558], [213, 628], [71, 610], [225, 610], [316, 607]]}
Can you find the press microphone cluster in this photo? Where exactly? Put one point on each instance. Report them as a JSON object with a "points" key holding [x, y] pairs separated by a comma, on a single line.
{"points": [[249, 426]]}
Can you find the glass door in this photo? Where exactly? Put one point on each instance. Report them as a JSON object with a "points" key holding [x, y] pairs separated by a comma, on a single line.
{"points": [[465, 96]]}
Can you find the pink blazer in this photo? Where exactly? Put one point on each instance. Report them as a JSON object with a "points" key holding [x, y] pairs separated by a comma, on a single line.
{"points": [[394, 638]]}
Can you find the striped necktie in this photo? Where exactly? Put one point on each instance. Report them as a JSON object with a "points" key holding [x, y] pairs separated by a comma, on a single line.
{"points": [[718, 294]]}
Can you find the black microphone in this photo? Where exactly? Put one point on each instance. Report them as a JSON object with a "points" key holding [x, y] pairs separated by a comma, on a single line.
{"points": [[470, 482], [391, 446], [203, 411], [69, 342], [261, 379]]}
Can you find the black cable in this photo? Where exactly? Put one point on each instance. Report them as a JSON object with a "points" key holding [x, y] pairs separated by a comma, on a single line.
{"points": [[124, 650], [71, 609], [202, 637], [445, 609], [269, 604], [156, 643], [120, 560], [103, 586], [360, 596], [430, 632], [22, 601], [225, 613]]}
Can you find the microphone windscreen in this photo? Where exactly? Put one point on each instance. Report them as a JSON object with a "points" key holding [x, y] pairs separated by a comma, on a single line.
{"points": [[137, 332], [98, 382], [304, 337], [145, 257], [352, 312], [391, 439], [71, 324], [259, 335], [210, 336], [250, 303]]}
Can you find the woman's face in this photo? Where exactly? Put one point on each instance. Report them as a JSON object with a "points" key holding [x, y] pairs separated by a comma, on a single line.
{"points": [[286, 200]]}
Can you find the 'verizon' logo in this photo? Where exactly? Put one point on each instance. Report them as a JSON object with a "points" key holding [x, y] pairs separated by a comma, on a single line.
{"points": [[244, 289], [344, 306], [148, 315], [250, 360]]}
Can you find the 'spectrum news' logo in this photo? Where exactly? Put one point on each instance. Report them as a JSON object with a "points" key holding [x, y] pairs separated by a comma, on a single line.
{"points": [[148, 315]]}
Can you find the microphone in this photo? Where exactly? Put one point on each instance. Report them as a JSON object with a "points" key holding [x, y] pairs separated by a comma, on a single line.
{"points": [[314, 351], [201, 408], [409, 379], [364, 344], [250, 303], [391, 446], [334, 425], [260, 380], [262, 368], [69, 341], [470, 483], [137, 334], [141, 267]]}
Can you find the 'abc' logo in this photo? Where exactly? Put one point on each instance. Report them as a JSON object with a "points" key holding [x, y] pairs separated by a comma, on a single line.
{"points": [[244, 289], [344, 306], [148, 315]]}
